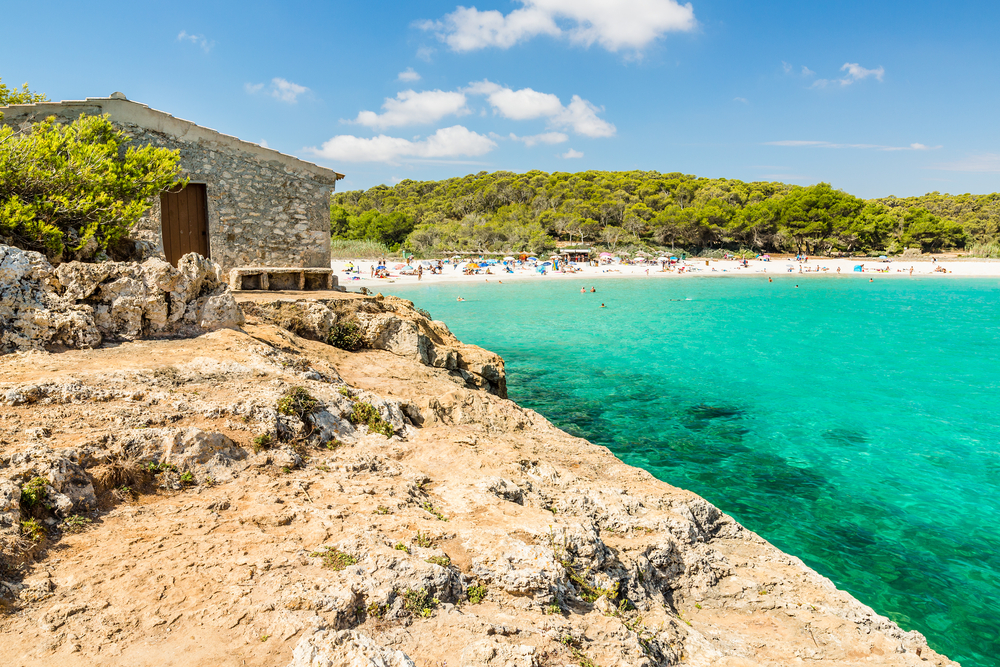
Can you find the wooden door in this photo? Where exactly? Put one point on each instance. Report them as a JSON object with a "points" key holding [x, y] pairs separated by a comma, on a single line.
{"points": [[184, 218]]}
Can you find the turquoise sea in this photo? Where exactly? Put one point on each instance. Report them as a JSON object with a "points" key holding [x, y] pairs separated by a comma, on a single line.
{"points": [[853, 424]]}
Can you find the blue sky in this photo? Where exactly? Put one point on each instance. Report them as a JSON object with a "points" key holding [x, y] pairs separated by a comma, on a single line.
{"points": [[877, 98]]}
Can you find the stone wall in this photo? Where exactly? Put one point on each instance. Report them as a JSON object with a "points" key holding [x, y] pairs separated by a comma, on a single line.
{"points": [[264, 208]]}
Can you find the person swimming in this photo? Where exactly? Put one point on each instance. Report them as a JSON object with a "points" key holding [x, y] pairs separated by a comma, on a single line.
{"points": [[593, 289], [461, 299], [602, 305], [583, 290]]}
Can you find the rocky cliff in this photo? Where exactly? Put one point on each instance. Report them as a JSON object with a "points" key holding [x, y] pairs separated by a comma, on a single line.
{"points": [[257, 496]]}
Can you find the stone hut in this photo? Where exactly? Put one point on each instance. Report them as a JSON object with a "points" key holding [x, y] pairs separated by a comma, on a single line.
{"points": [[245, 205]]}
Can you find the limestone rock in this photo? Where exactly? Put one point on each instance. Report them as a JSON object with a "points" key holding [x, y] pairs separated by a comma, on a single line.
{"points": [[345, 648], [492, 653], [10, 508], [207, 454], [78, 304]]}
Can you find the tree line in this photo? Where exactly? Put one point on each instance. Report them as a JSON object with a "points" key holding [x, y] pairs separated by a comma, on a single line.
{"points": [[504, 211]]}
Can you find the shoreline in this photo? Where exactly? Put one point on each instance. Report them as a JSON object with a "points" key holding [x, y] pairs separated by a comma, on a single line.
{"points": [[980, 268]]}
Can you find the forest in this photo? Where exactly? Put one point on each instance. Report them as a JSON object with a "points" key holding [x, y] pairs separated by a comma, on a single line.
{"points": [[506, 212]]}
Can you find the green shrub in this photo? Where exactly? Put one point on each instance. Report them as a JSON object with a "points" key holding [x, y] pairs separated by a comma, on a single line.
{"points": [[365, 413], [346, 336], [74, 190], [297, 403], [33, 493], [420, 602], [261, 442], [477, 593], [443, 561], [32, 529]]}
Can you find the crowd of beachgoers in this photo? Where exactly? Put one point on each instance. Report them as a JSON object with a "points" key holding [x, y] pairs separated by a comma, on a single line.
{"points": [[477, 268]]}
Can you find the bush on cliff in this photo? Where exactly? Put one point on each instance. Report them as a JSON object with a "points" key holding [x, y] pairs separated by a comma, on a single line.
{"points": [[73, 191]]}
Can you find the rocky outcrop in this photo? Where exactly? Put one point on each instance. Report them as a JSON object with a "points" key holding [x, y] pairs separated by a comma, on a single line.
{"points": [[396, 520], [394, 325], [79, 305]]}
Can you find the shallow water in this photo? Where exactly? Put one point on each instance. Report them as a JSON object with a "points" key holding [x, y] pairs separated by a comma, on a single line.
{"points": [[853, 424]]}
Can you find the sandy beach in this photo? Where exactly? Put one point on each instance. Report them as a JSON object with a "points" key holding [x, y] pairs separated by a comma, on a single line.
{"points": [[814, 267]]}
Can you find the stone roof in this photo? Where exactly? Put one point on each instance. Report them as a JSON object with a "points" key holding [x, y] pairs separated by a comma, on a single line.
{"points": [[123, 110]]}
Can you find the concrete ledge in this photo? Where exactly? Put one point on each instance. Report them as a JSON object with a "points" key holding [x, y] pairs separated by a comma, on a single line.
{"points": [[277, 278]]}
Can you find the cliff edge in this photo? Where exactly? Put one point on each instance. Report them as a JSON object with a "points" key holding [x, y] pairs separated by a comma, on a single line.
{"points": [[257, 496]]}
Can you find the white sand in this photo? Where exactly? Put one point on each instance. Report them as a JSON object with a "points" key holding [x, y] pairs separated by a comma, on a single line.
{"points": [[873, 269]]}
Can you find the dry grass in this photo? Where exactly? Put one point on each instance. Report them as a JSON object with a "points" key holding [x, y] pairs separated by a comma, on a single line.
{"points": [[121, 470]]}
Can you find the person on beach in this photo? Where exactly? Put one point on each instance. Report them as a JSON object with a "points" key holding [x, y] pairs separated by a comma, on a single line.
{"points": [[420, 272], [911, 270], [838, 269], [373, 270]]}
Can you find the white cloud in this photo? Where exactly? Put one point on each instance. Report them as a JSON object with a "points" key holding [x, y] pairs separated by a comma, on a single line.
{"points": [[408, 75], [425, 53], [449, 142], [807, 72], [742, 100], [786, 66], [570, 155], [527, 104], [280, 89], [827, 144], [286, 91], [545, 138], [263, 143], [623, 24], [412, 108], [198, 40], [855, 72], [986, 163]]}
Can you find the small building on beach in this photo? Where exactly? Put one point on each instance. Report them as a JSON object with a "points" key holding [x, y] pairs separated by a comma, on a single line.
{"points": [[246, 205]]}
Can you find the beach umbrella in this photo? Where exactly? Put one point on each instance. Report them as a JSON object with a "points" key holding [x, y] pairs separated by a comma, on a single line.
{"points": [[532, 259], [663, 259], [606, 254], [472, 265], [399, 266], [508, 259]]}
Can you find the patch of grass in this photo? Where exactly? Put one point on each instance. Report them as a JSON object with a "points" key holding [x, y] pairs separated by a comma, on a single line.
{"points": [[187, 478], [420, 602], [332, 444], [401, 547], [553, 610], [323, 468], [264, 638], [346, 336], [381, 509], [33, 493], [157, 468], [344, 391], [335, 559], [33, 530], [122, 469], [367, 414], [262, 442], [428, 507], [297, 402], [76, 523], [376, 610], [443, 561], [423, 540], [424, 313], [477, 593]]}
